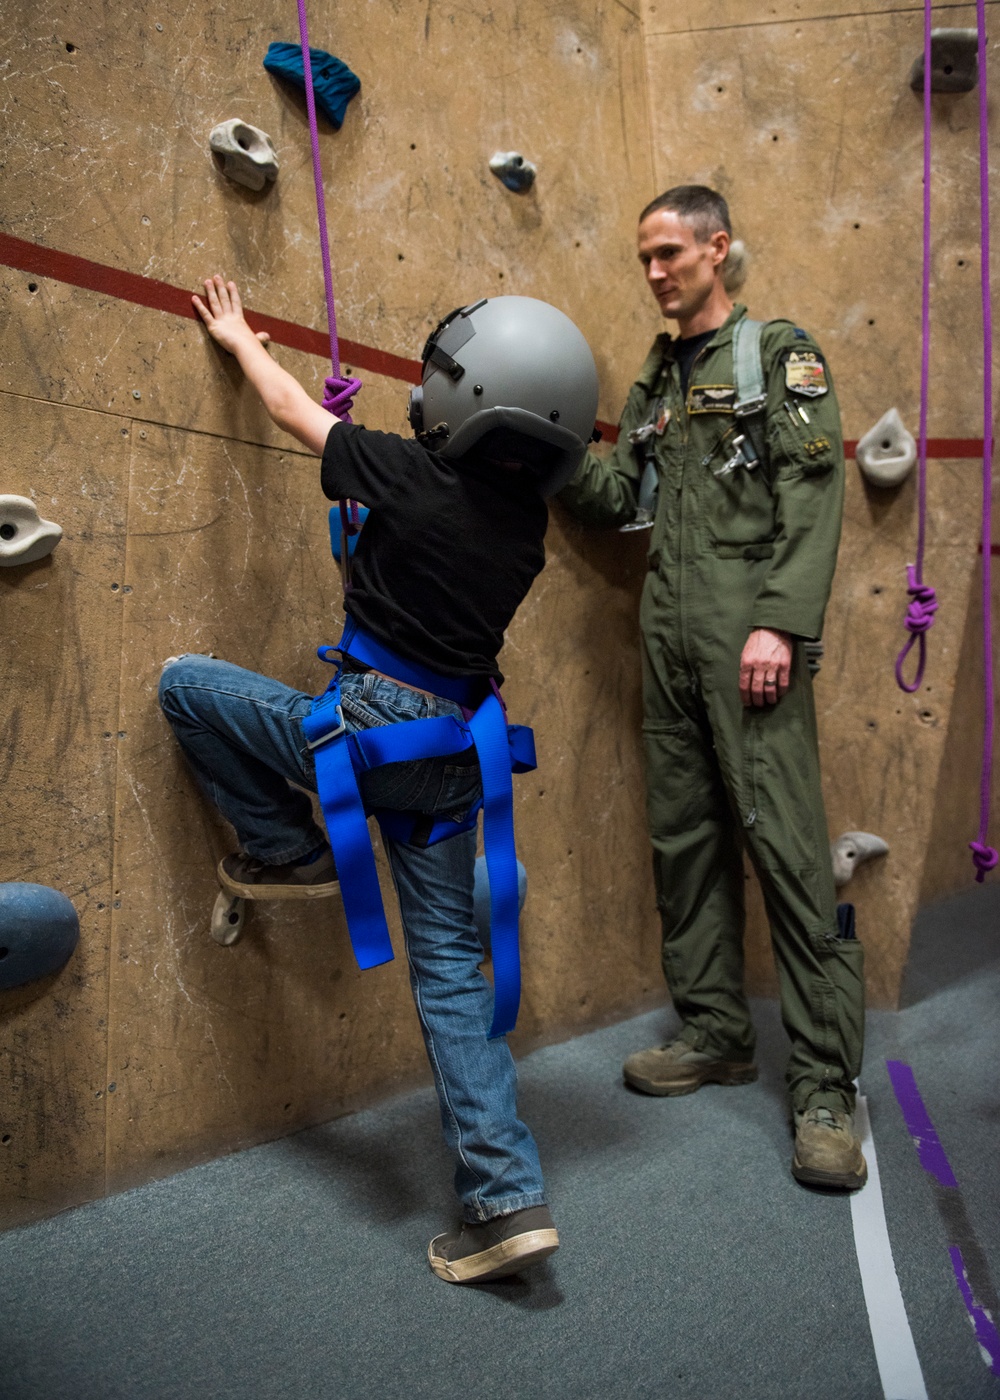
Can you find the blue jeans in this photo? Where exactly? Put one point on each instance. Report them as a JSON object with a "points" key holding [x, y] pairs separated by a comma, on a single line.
{"points": [[243, 736]]}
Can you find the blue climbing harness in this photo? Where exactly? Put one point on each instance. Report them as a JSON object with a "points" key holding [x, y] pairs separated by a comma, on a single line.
{"points": [[341, 758]]}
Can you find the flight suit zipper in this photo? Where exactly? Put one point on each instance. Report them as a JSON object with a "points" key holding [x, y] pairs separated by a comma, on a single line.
{"points": [[682, 561]]}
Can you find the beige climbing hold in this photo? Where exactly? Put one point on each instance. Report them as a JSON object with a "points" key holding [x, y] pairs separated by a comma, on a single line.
{"points": [[736, 266], [24, 535], [247, 154], [887, 452], [851, 850]]}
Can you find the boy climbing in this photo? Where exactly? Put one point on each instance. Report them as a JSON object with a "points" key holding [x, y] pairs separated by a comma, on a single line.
{"points": [[452, 544]]}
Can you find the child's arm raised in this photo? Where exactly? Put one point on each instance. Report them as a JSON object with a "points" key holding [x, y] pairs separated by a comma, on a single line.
{"points": [[283, 396]]}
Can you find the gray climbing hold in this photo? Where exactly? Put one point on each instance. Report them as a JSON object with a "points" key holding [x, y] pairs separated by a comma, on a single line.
{"points": [[247, 155], [39, 929], [954, 62], [24, 535], [736, 266], [851, 850], [513, 171], [887, 452]]}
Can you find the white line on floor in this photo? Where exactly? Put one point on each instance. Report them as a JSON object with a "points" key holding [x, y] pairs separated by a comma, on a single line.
{"points": [[895, 1353]]}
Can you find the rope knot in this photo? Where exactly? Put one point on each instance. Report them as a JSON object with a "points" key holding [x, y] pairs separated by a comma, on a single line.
{"points": [[984, 858], [338, 395], [924, 604]]}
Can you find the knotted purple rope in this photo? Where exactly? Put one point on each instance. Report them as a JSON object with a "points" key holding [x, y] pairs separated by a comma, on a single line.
{"points": [[338, 395], [984, 857], [337, 389], [923, 600], [918, 622]]}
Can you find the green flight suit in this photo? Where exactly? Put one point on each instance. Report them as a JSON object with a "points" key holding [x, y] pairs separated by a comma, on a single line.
{"points": [[730, 553]]}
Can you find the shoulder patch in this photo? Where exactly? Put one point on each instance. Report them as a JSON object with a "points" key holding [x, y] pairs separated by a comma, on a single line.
{"points": [[805, 373], [800, 334]]}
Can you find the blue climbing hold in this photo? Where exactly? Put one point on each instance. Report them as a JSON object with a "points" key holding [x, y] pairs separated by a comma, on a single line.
{"points": [[333, 82], [481, 898], [39, 929]]}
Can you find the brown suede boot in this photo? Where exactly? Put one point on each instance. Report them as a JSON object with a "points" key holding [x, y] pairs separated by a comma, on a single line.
{"points": [[828, 1150], [678, 1069]]}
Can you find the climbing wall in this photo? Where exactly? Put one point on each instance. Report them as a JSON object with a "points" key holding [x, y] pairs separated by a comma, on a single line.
{"points": [[190, 524], [806, 109]]}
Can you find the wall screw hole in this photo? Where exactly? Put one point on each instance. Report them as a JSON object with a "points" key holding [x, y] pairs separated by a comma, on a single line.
{"points": [[71, 48], [32, 286]]}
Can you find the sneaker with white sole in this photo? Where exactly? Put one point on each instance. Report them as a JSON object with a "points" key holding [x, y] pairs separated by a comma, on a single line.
{"points": [[495, 1248]]}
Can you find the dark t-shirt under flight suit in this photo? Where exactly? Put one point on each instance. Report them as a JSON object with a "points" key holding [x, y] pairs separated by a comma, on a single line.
{"points": [[733, 549]]}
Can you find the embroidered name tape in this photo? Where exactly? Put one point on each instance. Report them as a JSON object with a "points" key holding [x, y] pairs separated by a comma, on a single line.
{"points": [[711, 398]]}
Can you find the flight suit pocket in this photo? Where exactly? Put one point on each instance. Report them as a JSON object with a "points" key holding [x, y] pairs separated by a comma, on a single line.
{"points": [[804, 449], [764, 550], [679, 785]]}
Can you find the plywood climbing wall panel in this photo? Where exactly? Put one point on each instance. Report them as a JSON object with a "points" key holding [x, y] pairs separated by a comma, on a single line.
{"points": [[59, 670], [107, 119], [803, 118], [228, 554]]}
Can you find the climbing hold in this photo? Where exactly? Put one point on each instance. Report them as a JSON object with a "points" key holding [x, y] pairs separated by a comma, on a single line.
{"points": [[39, 929], [736, 266], [851, 850], [227, 918], [246, 154], [513, 171], [887, 453], [481, 898], [333, 82], [954, 63], [24, 535]]}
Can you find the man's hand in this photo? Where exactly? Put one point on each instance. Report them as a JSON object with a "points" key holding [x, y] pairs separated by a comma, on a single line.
{"points": [[765, 667], [223, 316]]}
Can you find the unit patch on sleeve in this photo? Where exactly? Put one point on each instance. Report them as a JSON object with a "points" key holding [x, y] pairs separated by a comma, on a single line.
{"points": [[711, 398], [805, 373]]}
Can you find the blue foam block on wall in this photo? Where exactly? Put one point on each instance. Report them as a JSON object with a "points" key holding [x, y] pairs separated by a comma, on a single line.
{"points": [[39, 929], [481, 898]]}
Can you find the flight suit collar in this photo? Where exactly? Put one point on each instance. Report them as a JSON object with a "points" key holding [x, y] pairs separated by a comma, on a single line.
{"points": [[662, 351]]}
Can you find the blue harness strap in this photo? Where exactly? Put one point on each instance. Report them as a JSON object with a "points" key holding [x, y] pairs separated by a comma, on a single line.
{"points": [[341, 758]]}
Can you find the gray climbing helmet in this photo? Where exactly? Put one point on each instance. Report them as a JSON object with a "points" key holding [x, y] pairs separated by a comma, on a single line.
{"points": [[510, 363]]}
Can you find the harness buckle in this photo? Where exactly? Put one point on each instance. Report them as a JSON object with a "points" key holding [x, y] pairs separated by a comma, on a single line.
{"points": [[341, 728], [747, 407]]}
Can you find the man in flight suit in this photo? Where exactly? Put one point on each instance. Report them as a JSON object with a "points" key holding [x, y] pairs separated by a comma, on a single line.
{"points": [[742, 552]]}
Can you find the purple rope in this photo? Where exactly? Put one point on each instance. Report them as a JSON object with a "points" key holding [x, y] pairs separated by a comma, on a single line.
{"points": [[338, 393], [984, 857], [923, 599]]}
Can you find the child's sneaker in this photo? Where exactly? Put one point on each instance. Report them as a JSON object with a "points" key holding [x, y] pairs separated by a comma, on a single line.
{"points": [[504, 1245], [249, 878]]}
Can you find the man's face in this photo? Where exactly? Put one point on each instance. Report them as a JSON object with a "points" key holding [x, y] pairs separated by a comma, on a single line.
{"points": [[681, 272]]}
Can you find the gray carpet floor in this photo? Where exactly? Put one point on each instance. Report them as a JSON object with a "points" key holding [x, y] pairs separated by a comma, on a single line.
{"points": [[692, 1267]]}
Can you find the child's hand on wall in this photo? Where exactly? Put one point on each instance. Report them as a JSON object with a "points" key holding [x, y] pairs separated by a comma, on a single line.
{"points": [[223, 316]]}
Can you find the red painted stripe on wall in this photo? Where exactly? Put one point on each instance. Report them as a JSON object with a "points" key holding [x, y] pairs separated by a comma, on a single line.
{"points": [[162, 296]]}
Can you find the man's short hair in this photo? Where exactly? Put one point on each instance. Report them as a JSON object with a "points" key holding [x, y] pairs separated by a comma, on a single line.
{"points": [[704, 209]]}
